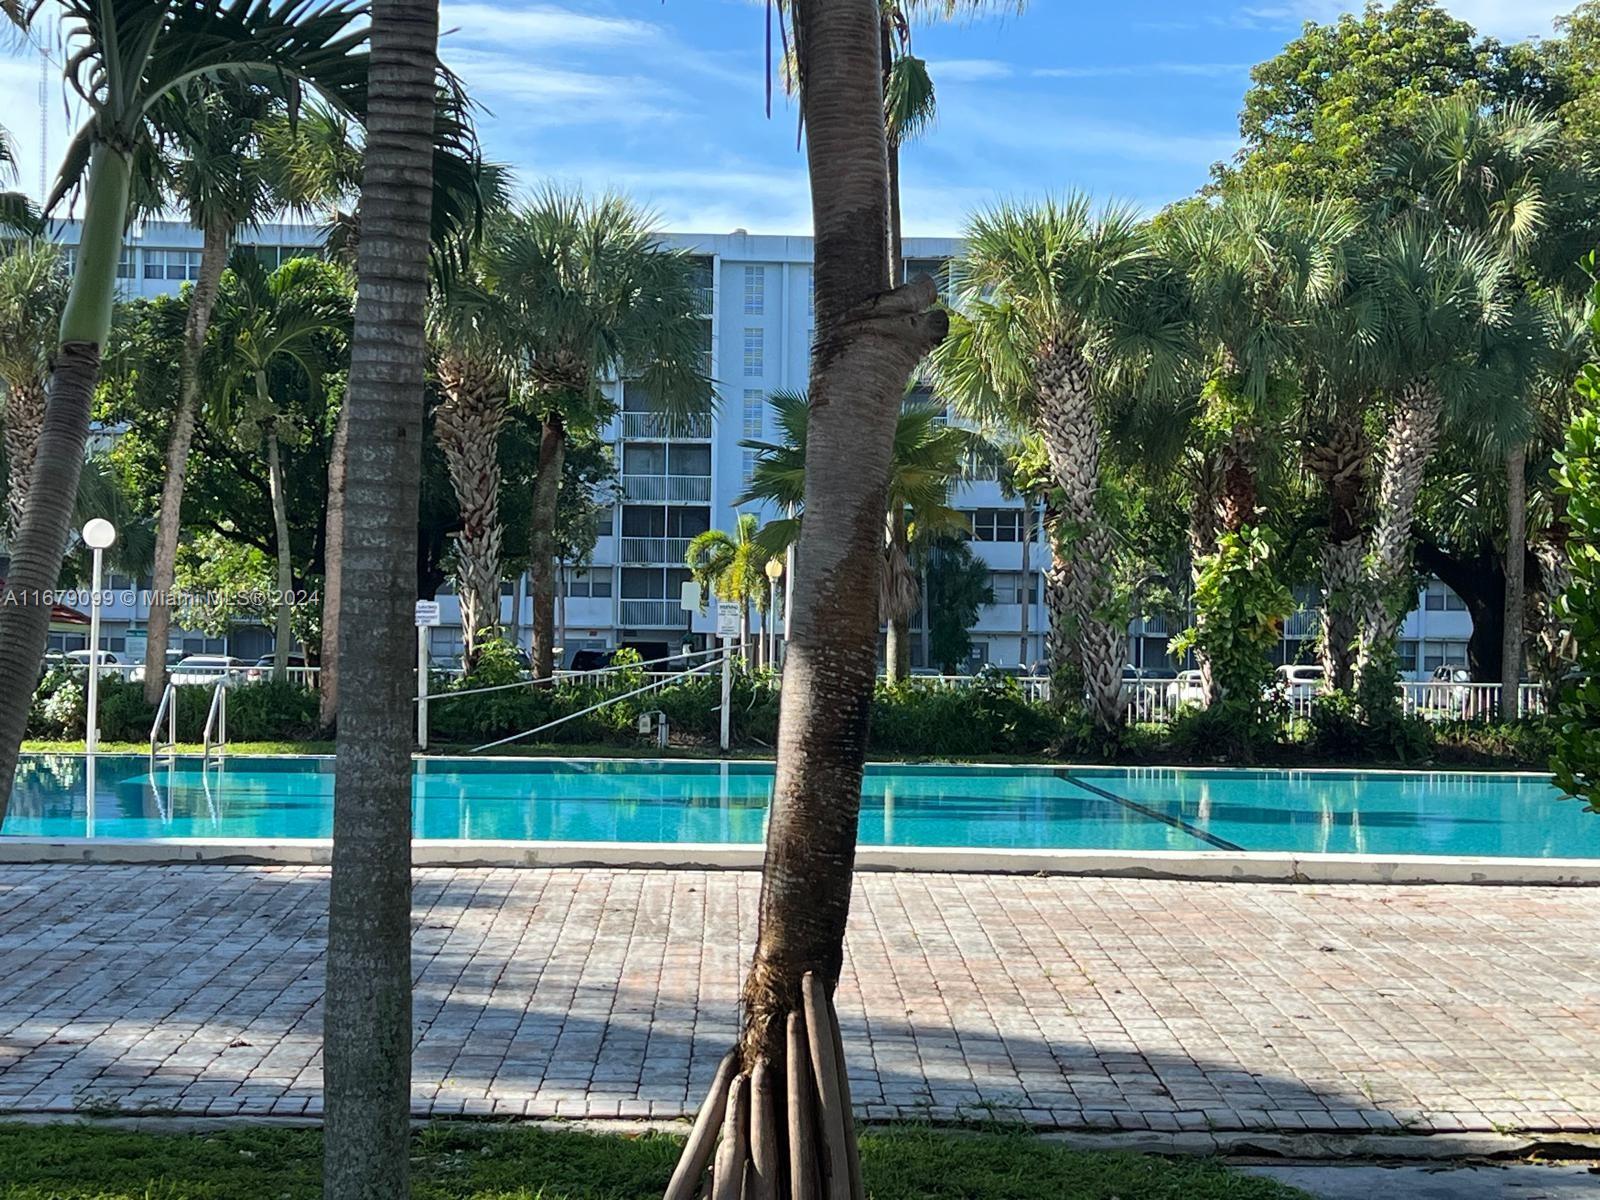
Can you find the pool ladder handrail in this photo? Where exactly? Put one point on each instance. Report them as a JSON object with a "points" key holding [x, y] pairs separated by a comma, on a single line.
{"points": [[216, 732], [166, 711]]}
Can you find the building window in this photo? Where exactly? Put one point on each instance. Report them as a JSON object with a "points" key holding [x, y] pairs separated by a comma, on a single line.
{"points": [[1439, 598], [755, 353], [997, 525], [172, 264], [69, 260], [1408, 658], [125, 263], [1007, 586], [755, 404], [755, 291], [596, 583], [1443, 654]]}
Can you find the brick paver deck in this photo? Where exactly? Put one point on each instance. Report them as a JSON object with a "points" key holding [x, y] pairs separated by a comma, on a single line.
{"points": [[1085, 1003]]}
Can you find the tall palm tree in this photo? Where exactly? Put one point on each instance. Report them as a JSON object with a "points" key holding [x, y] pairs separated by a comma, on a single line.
{"points": [[868, 341], [218, 181], [733, 565], [1444, 297], [927, 460], [1061, 306], [295, 317], [591, 294], [367, 1014], [33, 290], [127, 57], [473, 354]]}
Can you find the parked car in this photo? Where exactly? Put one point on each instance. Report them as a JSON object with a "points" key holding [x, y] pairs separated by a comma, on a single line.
{"points": [[1447, 690], [262, 669], [208, 668], [174, 657], [589, 660], [1187, 688], [77, 661], [1301, 682]]}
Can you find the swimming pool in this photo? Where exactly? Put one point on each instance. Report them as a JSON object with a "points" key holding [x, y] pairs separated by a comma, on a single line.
{"points": [[1003, 808]]}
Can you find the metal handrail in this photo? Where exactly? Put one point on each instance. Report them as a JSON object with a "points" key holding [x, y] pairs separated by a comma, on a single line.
{"points": [[571, 676], [168, 709], [216, 722], [583, 712]]}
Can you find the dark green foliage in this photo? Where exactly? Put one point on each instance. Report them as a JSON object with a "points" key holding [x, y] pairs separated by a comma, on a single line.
{"points": [[1577, 758], [958, 586], [990, 717], [1343, 729], [472, 1162], [264, 711]]}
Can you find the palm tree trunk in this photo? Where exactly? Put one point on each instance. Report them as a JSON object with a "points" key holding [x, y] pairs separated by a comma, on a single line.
{"points": [[868, 341], [1341, 463], [542, 541], [332, 569], [216, 237], [1061, 640], [1203, 531], [41, 541], [897, 643], [1070, 427], [367, 1013], [283, 637], [1511, 654], [25, 404], [1409, 443], [1555, 648], [467, 427], [1023, 657]]}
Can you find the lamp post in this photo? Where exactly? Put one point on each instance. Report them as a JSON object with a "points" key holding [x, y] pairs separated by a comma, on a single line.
{"points": [[774, 573], [99, 535]]}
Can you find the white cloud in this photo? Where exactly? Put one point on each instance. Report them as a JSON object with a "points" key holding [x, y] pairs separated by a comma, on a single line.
{"points": [[538, 26], [511, 91], [1509, 20], [1200, 70], [968, 70]]}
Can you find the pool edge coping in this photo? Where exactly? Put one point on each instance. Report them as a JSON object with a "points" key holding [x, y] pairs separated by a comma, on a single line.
{"points": [[1215, 866]]}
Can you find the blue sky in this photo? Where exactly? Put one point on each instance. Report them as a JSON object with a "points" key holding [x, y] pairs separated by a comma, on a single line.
{"points": [[664, 99]]}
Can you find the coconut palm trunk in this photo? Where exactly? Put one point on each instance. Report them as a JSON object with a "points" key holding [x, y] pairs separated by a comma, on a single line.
{"points": [[367, 1012], [789, 1063], [214, 248], [1340, 464], [542, 541], [901, 597], [1070, 426], [283, 635], [25, 405], [1409, 442], [1515, 635], [467, 427], [332, 568], [41, 540]]}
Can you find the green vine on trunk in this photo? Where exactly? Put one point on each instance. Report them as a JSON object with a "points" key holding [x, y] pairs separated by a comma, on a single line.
{"points": [[1576, 762]]}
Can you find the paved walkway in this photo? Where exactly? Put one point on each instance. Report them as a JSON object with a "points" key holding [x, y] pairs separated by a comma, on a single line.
{"points": [[1080, 1003]]}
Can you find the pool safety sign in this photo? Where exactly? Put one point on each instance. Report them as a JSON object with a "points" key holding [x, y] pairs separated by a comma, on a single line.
{"points": [[427, 614], [728, 619]]}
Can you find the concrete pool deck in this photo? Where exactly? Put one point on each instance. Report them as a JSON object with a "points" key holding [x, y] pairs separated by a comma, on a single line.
{"points": [[1104, 1004]]}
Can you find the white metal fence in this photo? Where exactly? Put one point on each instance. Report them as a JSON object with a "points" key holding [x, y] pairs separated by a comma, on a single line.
{"points": [[1157, 702]]}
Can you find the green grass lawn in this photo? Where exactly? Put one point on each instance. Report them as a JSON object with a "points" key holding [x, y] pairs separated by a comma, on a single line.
{"points": [[465, 1162]]}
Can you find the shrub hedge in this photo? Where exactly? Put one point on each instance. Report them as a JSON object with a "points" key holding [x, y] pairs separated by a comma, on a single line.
{"points": [[910, 719]]}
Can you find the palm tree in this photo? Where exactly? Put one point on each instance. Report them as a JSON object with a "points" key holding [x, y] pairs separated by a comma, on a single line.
{"points": [[33, 290], [472, 366], [928, 458], [733, 565], [367, 1014], [127, 57], [219, 183], [590, 293], [1443, 296], [789, 1063], [294, 317], [1061, 307]]}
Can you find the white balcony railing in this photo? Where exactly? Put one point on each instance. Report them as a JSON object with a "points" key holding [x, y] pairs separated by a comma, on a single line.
{"points": [[654, 551], [688, 488], [659, 425], [651, 614]]}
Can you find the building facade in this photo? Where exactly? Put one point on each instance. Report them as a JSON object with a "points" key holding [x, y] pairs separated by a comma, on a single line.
{"points": [[680, 479]]}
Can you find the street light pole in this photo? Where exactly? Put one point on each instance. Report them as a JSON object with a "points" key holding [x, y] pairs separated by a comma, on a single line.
{"points": [[99, 535], [774, 573]]}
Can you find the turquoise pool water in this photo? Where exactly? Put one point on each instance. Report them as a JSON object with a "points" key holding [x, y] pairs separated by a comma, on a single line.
{"points": [[1021, 808]]}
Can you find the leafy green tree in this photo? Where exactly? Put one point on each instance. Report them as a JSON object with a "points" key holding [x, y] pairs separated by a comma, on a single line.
{"points": [[299, 316], [958, 586], [127, 57], [1577, 759], [1319, 117]]}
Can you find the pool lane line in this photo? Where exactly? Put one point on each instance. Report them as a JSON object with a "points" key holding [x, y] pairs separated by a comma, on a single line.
{"points": [[1146, 811]]}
